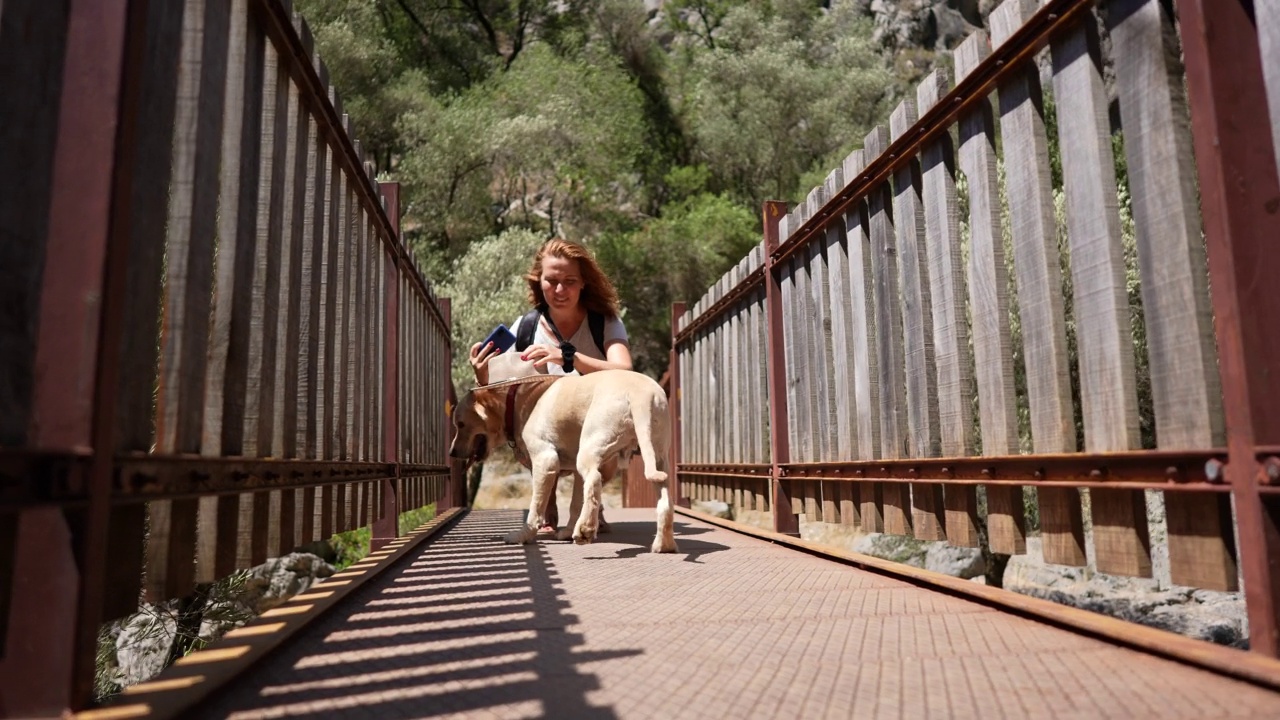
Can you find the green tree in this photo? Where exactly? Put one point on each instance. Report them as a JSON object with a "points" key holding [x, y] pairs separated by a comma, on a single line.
{"points": [[487, 287], [675, 257], [767, 104]]}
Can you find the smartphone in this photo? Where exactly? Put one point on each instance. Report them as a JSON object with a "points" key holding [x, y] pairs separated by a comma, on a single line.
{"points": [[501, 338]]}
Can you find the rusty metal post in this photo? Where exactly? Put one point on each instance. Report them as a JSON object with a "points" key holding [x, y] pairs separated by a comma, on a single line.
{"points": [[456, 490], [59, 572], [1240, 199], [780, 447], [386, 526], [673, 402]]}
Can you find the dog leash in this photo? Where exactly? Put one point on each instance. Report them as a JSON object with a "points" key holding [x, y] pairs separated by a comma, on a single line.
{"points": [[511, 414]]}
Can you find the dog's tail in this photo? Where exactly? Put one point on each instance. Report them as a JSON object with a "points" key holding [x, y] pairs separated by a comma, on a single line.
{"points": [[643, 415]]}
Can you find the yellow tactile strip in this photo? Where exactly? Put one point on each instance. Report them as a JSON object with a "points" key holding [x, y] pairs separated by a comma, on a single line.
{"points": [[193, 678]]}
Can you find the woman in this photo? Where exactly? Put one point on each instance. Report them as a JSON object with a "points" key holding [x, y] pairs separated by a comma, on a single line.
{"points": [[575, 323]]}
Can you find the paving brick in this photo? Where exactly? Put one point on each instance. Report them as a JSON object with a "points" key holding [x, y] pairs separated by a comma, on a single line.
{"points": [[730, 627]]}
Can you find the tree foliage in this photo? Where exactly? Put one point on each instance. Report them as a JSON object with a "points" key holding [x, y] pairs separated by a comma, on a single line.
{"points": [[652, 135]]}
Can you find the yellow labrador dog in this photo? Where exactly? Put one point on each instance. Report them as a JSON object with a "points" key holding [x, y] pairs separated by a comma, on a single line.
{"points": [[572, 422]]}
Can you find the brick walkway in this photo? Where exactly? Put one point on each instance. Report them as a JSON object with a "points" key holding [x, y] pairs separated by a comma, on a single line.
{"points": [[732, 627]]}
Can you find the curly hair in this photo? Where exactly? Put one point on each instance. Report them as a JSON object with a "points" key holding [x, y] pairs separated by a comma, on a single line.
{"points": [[598, 293]]}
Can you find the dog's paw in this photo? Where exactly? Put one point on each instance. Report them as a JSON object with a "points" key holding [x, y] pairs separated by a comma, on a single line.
{"points": [[583, 535], [663, 546], [564, 533]]}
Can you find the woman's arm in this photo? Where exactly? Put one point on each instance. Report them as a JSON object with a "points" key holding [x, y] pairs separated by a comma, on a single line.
{"points": [[619, 358], [618, 354]]}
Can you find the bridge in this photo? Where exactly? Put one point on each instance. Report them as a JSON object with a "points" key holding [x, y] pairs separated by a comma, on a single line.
{"points": [[216, 348]]}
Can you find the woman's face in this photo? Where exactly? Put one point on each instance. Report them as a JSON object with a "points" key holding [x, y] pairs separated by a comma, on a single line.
{"points": [[561, 282]]}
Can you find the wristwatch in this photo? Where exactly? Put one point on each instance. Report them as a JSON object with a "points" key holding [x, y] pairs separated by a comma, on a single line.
{"points": [[568, 351]]}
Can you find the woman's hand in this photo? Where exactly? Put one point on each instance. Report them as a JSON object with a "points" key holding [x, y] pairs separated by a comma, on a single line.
{"points": [[480, 357], [543, 354]]}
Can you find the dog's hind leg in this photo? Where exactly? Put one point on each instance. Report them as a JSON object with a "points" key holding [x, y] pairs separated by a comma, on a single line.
{"points": [[652, 425], [665, 540], [589, 517]]}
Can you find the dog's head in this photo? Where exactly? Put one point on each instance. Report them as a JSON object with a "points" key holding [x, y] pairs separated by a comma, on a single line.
{"points": [[478, 421]]}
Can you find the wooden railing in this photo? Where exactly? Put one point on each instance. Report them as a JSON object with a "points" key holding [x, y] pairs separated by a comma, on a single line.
{"points": [[216, 347], [868, 363]]}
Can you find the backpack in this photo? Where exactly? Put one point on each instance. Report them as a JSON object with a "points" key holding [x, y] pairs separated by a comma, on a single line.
{"points": [[529, 325]]}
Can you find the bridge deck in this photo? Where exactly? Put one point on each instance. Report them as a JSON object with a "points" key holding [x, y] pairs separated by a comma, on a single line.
{"points": [[732, 627]]}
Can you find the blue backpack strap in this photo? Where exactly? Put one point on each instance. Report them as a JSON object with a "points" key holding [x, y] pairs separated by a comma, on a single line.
{"points": [[528, 326]]}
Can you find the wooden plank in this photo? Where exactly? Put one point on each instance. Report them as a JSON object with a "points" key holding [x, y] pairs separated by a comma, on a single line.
{"points": [[763, 448], [812, 500], [843, 330], [1039, 278], [733, 355], [33, 49], [351, 332], [265, 293], [359, 323], [946, 282], [862, 319], [871, 502], [1185, 386], [888, 319], [847, 497], [274, 533], [913, 279], [786, 280], [146, 209], [888, 325], [1104, 339], [224, 408], [821, 380], [309, 253], [803, 368], [947, 291], [326, 246], [341, 312], [917, 322], [289, 339], [865, 342], [988, 285], [1268, 23], [830, 503]]}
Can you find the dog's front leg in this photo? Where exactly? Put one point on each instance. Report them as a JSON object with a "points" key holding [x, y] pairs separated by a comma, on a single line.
{"points": [[544, 484], [575, 508]]}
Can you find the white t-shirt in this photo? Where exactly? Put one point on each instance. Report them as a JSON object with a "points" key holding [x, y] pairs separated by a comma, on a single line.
{"points": [[582, 341]]}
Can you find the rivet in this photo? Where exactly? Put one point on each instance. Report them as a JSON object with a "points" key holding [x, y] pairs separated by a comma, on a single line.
{"points": [[1213, 470]]}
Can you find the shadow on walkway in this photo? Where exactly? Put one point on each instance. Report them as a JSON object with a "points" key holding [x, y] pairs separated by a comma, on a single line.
{"points": [[469, 625]]}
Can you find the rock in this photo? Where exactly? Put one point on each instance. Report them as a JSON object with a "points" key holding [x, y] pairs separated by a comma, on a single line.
{"points": [[1202, 614], [144, 642], [145, 639], [898, 548], [958, 562], [279, 579], [322, 549], [715, 508]]}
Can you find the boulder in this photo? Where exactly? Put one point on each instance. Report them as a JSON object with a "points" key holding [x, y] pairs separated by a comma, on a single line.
{"points": [[958, 562], [144, 642], [715, 508]]}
